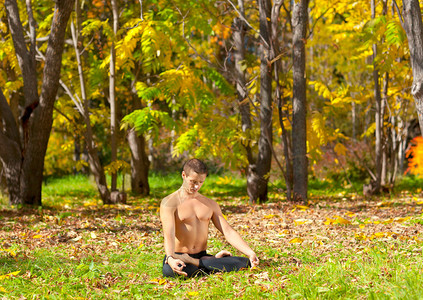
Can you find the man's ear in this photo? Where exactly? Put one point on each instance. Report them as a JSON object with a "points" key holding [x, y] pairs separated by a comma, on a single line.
{"points": [[184, 175]]}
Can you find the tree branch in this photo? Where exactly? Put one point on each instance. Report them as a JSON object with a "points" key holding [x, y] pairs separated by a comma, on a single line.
{"points": [[249, 25], [10, 127], [399, 13]]}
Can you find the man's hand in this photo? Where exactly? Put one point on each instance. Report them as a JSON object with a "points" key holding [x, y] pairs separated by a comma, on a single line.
{"points": [[188, 259], [253, 260], [223, 253], [177, 265]]}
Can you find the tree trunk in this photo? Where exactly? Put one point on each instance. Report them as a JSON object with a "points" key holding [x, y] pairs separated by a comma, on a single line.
{"points": [[243, 102], [139, 163], [113, 118], [299, 129], [26, 162], [414, 30], [258, 175], [287, 173], [378, 116], [9, 151], [93, 159]]}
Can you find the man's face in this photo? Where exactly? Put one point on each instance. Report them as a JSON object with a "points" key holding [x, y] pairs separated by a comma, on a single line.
{"points": [[193, 181]]}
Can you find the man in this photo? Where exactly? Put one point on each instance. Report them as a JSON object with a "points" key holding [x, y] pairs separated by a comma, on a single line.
{"points": [[185, 216]]}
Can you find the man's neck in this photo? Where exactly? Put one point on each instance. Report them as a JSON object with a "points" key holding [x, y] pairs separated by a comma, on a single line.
{"points": [[185, 195]]}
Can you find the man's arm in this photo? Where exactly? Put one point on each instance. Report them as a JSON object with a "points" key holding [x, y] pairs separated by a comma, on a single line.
{"points": [[231, 235], [167, 216]]}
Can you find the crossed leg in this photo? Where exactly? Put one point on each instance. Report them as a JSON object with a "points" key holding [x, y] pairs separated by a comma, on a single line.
{"points": [[210, 264]]}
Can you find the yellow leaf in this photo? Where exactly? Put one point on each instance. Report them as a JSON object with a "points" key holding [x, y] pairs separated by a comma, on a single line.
{"points": [[302, 221], [337, 220], [379, 234], [192, 293], [296, 240], [340, 220], [162, 281], [360, 236], [225, 216], [37, 236], [329, 221], [270, 216], [361, 226], [2, 290], [302, 207], [400, 220], [9, 275], [14, 273]]}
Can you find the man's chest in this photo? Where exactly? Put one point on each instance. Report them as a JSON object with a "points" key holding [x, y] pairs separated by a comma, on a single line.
{"points": [[193, 211]]}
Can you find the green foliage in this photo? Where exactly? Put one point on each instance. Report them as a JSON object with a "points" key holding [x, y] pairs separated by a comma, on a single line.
{"points": [[395, 34], [146, 119], [221, 83], [148, 94]]}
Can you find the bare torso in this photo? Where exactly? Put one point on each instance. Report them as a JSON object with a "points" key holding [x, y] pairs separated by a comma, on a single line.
{"points": [[192, 218]]}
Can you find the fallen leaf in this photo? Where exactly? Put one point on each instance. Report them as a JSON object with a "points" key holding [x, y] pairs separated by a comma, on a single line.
{"points": [[296, 240]]}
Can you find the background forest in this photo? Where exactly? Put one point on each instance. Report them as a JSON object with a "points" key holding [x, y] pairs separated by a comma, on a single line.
{"points": [[299, 107], [280, 91]]}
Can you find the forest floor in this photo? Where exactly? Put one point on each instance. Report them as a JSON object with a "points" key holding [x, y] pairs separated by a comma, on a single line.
{"points": [[332, 248]]}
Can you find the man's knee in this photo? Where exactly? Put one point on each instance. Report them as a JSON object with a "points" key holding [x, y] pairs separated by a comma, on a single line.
{"points": [[225, 264], [167, 271]]}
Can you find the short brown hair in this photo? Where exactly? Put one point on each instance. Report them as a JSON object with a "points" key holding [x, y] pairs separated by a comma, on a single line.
{"points": [[195, 165]]}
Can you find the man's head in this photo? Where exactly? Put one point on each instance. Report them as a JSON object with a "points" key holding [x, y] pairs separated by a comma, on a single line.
{"points": [[194, 173], [195, 165]]}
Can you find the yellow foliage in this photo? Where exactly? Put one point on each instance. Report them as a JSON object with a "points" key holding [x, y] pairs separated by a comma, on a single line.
{"points": [[224, 180], [340, 149]]}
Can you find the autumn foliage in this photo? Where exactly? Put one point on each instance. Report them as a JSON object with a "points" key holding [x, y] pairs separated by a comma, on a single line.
{"points": [[415, 157]]}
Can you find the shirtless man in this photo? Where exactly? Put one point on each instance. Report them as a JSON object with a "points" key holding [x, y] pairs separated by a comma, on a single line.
{"points": [[185, 217]]}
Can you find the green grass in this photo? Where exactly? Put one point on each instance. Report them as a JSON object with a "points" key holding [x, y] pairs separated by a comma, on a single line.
{"points": [[77, 248]]}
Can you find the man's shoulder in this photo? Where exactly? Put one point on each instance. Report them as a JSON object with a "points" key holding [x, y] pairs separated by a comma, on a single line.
{"points": [[210, 202], [170, 200]]}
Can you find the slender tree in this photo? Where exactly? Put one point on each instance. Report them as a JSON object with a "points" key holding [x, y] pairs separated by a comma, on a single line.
{"points": [[244, 105], [112, 94], [413, 26], [299, 101], [378, 113], [93, 158], [258, 174]]}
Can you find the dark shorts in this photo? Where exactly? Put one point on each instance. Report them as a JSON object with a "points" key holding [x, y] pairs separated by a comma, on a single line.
{"points": [[209, 265]]}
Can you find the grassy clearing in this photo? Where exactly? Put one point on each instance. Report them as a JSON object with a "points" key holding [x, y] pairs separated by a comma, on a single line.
{"points": [[76, 248]]}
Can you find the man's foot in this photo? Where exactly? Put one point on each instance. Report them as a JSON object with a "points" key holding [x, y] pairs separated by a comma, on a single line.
{"points": [[223, 253]]}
